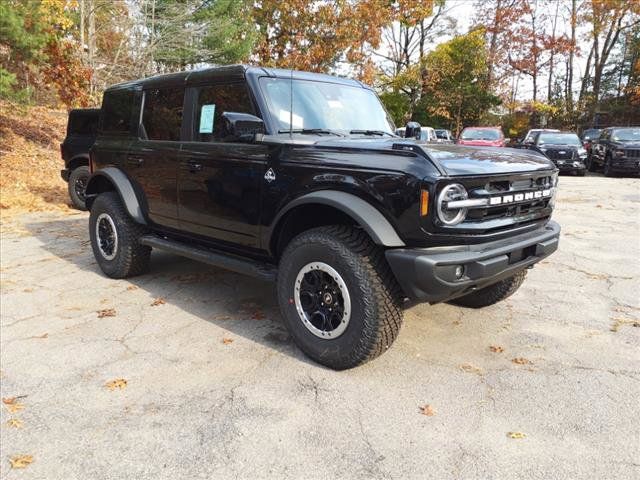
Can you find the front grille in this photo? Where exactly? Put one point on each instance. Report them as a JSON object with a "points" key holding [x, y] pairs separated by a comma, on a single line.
{"points": [[632, 152], [524, 199], [565, 154]]}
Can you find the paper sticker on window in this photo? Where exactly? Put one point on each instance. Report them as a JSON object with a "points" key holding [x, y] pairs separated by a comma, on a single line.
{"points": [[206, 118]]}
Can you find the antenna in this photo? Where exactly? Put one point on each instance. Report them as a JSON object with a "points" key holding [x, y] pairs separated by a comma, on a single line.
{"points": [[291, 103]]}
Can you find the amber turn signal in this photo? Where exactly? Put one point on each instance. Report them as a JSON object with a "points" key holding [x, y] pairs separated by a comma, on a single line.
{"points": [[424, 202]]}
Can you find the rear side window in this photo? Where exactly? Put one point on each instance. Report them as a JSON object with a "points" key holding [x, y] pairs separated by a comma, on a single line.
{"points": [[212, 102], [116, 111], [81, 123], [162, 114]]}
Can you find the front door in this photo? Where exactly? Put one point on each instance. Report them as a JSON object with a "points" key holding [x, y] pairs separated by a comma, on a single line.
{"points": [[220, 179], [153, 158]]}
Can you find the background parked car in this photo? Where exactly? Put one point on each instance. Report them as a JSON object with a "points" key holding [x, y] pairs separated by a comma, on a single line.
{"points": [[617, 150], [564, 149], [81, 133], [482, 137], [589, 136], [444, 136], [428, 134]]}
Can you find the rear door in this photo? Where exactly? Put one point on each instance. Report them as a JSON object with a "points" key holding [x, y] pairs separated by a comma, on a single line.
{"points": [[220, 179], [153, 157]]}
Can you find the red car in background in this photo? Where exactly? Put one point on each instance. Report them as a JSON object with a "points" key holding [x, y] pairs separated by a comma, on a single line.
{"points": [[482, 137]]}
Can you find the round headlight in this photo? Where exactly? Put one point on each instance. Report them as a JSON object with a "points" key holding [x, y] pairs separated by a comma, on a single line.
{"points": [[451, 193]]}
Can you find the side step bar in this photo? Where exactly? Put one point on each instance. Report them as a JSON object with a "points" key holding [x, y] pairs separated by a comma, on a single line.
{"points": [[227, 261]]}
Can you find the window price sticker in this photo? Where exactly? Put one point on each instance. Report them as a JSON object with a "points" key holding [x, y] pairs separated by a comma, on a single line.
{"points": [[206, 118]]}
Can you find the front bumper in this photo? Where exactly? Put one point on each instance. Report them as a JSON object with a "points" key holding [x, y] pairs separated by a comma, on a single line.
{"points": [[624, 164], [64, 173], [570, 165], [429, 274]]}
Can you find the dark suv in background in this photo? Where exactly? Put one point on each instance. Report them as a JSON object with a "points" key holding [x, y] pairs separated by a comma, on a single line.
{"points": [[298, 177], [564, 149], [617, 150], [82, 126]]}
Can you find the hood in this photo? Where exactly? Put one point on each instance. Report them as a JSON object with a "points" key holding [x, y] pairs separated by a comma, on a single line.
{"points": [[627, 144], [451, 159], [464, 160]]}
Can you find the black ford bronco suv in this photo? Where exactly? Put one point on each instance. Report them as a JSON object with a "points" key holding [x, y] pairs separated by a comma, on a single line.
{"points": [[297, 177], [82, 126]]}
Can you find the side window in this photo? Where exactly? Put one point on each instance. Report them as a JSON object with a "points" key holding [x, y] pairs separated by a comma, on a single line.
{"points": [[212, 102], [162, 114], [82, 124], [116, 111]]}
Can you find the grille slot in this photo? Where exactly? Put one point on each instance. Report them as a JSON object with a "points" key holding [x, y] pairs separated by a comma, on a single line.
{"points": [[632, 152]]}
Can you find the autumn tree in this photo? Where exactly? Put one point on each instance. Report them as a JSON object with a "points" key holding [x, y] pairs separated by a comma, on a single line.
{"points": [[319, 35], [608, 20], [456, 90]]}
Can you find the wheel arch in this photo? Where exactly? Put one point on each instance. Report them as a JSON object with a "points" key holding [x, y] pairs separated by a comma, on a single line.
{"points": [[329, 207], [112, 179], [78, 161]]}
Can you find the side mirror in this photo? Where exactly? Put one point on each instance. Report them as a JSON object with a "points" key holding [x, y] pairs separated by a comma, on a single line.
{"points": [[412, 130], [528, 141], [241, 127]]}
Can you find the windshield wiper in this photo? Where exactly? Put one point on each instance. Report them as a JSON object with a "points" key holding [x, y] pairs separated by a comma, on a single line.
{"points": [[371, 132], [311, 131]]}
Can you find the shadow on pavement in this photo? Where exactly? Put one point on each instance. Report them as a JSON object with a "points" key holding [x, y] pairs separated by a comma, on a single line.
{"points": [[242, 305]]}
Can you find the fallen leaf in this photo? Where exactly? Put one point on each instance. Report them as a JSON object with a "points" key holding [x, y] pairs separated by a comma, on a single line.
{"points": [[496, 349], [21, 461], [516, 435], [15, 407], [14, 423], [427, 410], [158, 301], [118, 383], [258, 315], [467, 367], [107, 312], [44, 335], [9, 400], [132, 287], [521, 361], [227, 341]]}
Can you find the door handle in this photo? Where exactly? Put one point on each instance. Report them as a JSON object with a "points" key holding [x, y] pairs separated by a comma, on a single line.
{"points": [[194, 167], [135, 161]]}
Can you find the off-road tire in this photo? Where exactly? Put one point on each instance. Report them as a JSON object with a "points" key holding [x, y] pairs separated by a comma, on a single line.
{"points": [[493, 293], [376, 300], [78, 173], [130, 258]]}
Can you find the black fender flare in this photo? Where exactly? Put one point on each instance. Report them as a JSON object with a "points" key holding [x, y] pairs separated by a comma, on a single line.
{"points": [[122, 185], [365, 214], [82, 157]]}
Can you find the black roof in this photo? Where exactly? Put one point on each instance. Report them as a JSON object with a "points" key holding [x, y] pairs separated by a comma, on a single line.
{"points": [[231, 72]]}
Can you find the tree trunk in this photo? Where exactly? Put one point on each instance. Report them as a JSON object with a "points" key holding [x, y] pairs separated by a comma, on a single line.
{"points": [[571, 56]]}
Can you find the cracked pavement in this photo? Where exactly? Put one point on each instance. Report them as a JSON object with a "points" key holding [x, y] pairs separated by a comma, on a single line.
{"points": [[196, 407]]}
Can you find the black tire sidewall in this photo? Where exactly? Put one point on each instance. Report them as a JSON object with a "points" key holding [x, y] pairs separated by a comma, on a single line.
{"points": [[326, 351], [82, 171], [109, 203]]}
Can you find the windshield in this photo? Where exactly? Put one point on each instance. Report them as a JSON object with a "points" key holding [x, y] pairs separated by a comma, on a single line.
{"points": [[322, 105], [558, 139], [442, 134], [626, 135], [591, 134], [477, 134]]}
